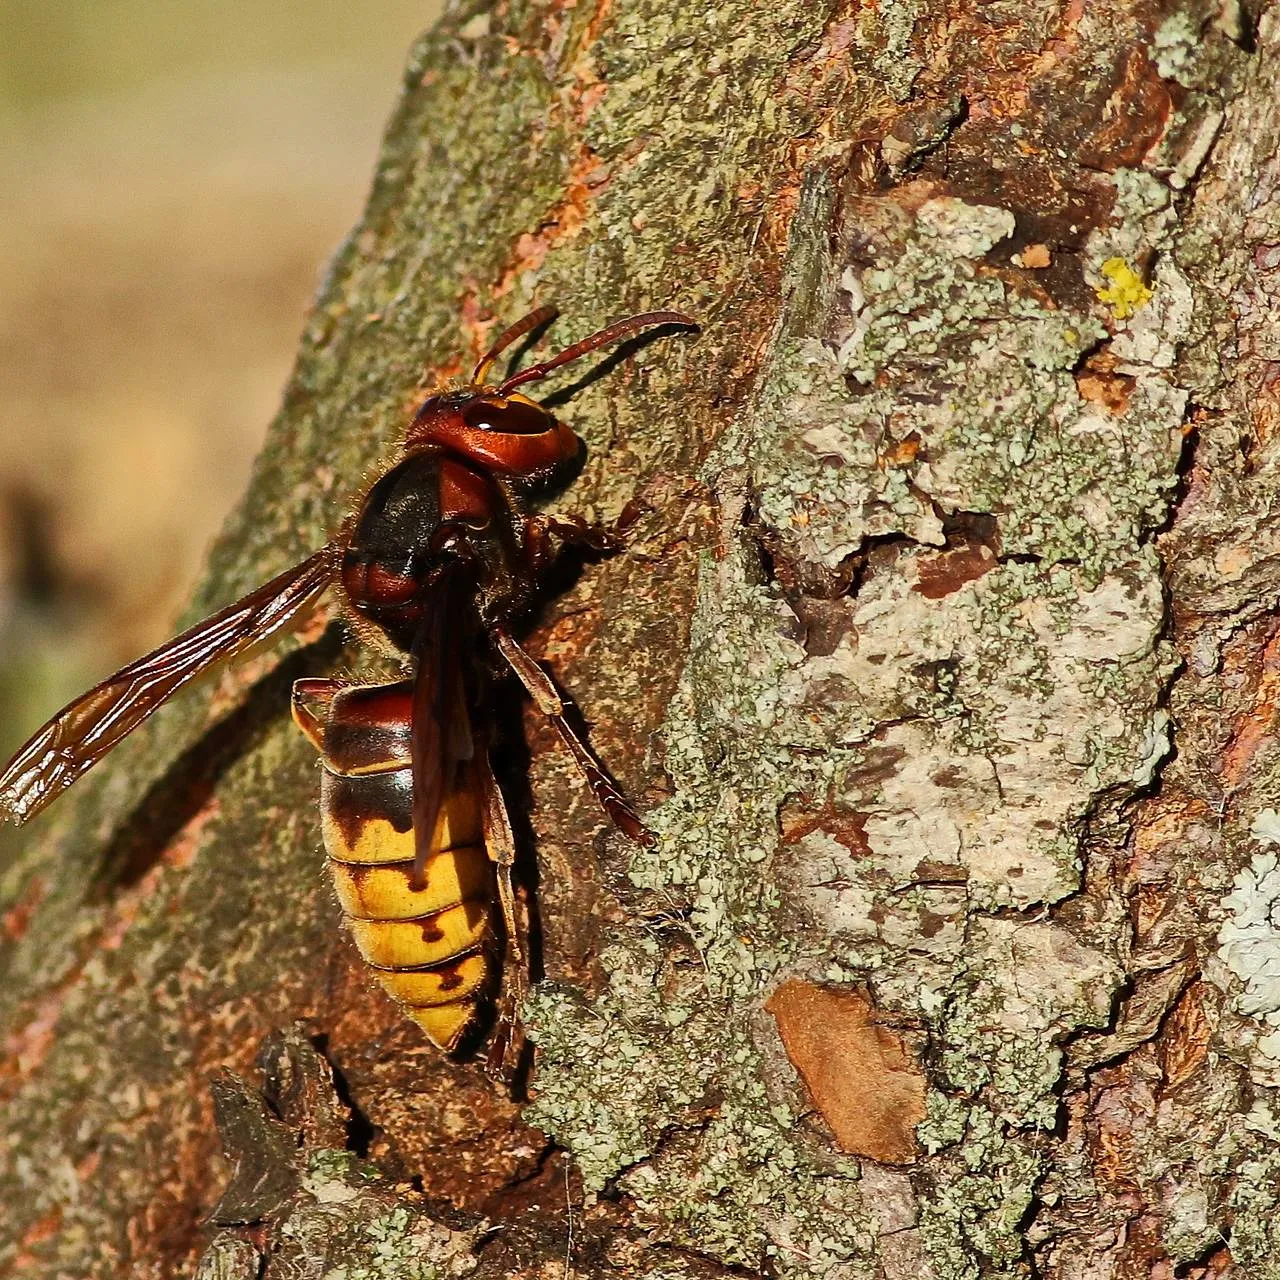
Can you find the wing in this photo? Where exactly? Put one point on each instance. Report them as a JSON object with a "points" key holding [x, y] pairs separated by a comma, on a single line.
{"points": [[440, 737], [86, 729]]}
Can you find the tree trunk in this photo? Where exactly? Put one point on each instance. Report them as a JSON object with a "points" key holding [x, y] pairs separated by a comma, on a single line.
{"points": [[944, 667]]}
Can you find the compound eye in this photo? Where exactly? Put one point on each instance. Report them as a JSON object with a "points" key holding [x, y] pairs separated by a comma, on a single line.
{"points": [[509, 417]]}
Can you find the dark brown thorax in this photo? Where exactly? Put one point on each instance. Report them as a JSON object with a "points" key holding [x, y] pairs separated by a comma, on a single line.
{"points": [[452, 505]]}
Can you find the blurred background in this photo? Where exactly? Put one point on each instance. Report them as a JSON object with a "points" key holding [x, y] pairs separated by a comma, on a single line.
{"points": [[172, 180]]}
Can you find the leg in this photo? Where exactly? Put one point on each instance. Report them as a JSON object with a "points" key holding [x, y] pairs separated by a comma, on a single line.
{"points": [[548, 701], [307, 715], [540, 529], [499, 841]]}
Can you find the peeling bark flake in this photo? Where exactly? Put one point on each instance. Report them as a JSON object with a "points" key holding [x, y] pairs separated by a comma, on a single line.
{"points": [[862, 1075]]}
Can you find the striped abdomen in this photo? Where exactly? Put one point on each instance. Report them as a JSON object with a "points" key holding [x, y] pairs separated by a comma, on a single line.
{"points": [[430, 947]]}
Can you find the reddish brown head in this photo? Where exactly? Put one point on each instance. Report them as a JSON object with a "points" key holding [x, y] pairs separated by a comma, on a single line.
{"points": [[505, 435], [502, 431]]}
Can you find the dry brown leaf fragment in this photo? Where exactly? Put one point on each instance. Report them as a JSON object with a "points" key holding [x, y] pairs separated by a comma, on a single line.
{"points": [[861, 1074]]}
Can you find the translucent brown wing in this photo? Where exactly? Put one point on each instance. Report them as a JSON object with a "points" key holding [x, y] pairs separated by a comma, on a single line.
{"points": [[86, 729], [440, 737]]}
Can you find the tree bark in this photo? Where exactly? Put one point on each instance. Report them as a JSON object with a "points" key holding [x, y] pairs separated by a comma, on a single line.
{"points": [[944, 667]]}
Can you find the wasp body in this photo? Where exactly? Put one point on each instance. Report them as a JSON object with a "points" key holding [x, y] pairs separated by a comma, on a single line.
{"points": [[440, 560], [429, 941]]}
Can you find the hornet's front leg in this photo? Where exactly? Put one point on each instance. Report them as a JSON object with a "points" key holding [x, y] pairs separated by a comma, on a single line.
{"points": [[608, 538]]}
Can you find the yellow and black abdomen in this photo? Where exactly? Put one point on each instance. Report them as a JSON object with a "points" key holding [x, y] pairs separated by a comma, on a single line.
{"points": [[431, 946]]}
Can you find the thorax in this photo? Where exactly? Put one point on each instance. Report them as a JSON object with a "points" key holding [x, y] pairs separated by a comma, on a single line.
{"points": [[430, 513]]}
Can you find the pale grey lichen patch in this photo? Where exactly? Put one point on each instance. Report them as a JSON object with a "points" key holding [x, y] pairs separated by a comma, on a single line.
{"points": [[1150, 323], [888, 28], [345, 1224], [997, 712], [963, 731], [229, 1257], [1174, 45], [1030, 985], [739, 714], [647, 1083], [752, 1194], [1152, 334], [678, 1114], [979, 1193], [1197, 46], [945, 1120], [982, 375], [1255, 1235], [960, 229], [927, 285], [823, 462], [1249, 943], [1027, 986]]}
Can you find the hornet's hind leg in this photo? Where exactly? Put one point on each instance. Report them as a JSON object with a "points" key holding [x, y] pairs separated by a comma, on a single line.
{"points": [[508, 1038], [548, 701]]}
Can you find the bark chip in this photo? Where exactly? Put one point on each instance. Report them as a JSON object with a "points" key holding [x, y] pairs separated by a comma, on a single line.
{"points": [[861, 1074]]}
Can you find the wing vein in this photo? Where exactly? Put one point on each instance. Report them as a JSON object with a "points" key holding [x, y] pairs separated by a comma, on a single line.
{"points": [[61, 750]]}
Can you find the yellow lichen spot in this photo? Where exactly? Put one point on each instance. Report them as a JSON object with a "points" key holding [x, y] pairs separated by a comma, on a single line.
{"points": [[1127, 294]]}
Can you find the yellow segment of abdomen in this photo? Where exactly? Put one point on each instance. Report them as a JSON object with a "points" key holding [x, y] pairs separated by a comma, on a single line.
{"points": [[415, 944], [443, 985], [445, 1024], [368, 819], [372, 892], [429, 944]]}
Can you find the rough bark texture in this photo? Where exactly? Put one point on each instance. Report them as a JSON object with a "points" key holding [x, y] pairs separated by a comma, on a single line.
{"points": [[945, 668]]}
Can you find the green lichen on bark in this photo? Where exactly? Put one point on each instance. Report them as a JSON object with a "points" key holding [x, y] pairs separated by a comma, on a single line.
{"points": [[343, 1229], [1256, 1170], [757, 719], [679, 1118], [938, 351]]}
